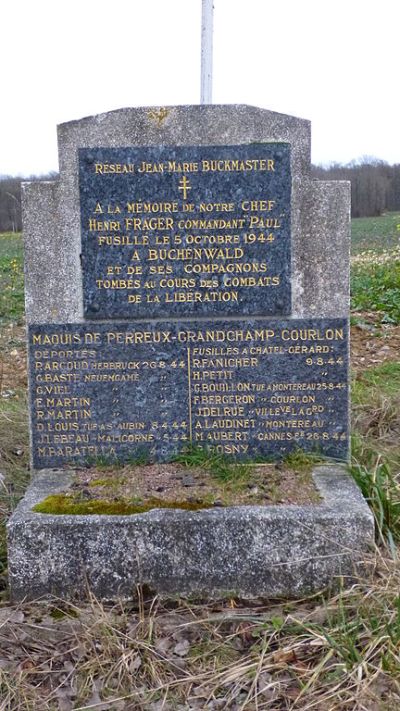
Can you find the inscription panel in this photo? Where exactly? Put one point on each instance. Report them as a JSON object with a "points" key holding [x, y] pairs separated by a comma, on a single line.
{"points": [[259, 387], [178, 231]]}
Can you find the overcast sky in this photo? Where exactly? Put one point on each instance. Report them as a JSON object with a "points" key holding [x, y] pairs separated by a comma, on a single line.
{"points": [[335, 62]]}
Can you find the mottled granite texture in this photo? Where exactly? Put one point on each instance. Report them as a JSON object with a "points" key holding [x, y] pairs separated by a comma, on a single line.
{"points": [[248, 551], [229, 211], [135, 387]]}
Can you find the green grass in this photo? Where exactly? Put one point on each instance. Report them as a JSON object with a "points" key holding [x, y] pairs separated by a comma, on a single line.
{"points": [[11, 278], [376, 287], [383, 378], [13, 415], [221, 467], [380, 488], [376, 446], [14, 454], [375, 269], [303, 461], [376, 233]]}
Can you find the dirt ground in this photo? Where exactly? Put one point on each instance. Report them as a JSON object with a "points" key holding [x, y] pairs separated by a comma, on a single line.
{"points": [[13, 371], [372, 342], [176, 483]]}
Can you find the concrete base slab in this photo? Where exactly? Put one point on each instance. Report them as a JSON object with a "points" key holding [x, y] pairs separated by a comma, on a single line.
{"points": [[246, 551]]}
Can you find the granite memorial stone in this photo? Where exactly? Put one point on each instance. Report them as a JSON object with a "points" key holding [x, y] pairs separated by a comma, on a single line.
{"points": [[164, 216], [187, 283]]}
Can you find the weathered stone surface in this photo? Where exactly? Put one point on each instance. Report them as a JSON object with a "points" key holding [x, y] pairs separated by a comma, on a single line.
{"points": [[250, 551], [251, 388], [48, 293], [324, 248], [61, 282]]}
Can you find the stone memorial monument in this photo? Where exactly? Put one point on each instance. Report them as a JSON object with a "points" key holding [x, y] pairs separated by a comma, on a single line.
{"points": [[187, 284]]}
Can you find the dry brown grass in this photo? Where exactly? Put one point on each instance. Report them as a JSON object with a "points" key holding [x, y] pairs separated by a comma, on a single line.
{"points": [[330, 654], [379, 419]]}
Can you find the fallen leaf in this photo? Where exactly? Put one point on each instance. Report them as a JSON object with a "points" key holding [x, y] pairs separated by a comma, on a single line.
{"points": [[27, 664], [284, 656]]}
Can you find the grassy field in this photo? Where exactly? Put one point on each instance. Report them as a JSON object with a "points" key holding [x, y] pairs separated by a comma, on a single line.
{"points": [[11, 277], [375, 233], [375, 276], [375, 284], [331, 652]]}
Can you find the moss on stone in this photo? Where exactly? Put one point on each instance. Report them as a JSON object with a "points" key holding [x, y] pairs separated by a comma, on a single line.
{"points": [[58, 504], [106, 482]]}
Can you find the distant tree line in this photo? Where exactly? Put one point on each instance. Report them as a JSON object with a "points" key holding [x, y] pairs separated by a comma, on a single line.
{"points": [[10, 204], [10, 201], [375, 185], [375, 188]]}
